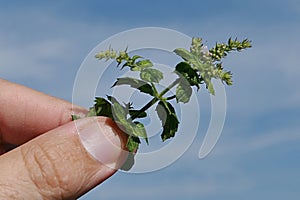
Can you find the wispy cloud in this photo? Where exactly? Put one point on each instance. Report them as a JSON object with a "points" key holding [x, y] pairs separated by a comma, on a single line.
{"points": [[237, 146], [37, 61], [48, 47]]}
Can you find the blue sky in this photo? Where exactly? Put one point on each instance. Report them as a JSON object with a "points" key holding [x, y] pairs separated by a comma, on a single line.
{"points": [[43, 43]]}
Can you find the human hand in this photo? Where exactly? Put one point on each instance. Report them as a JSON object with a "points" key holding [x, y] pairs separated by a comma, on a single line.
{"points": [[54, 158]]}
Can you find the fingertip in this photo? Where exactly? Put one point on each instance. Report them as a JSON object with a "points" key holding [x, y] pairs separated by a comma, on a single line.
{"points": [[103, 140]]}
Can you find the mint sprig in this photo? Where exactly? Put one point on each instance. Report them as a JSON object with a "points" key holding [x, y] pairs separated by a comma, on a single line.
{"points": [[199, 66]]}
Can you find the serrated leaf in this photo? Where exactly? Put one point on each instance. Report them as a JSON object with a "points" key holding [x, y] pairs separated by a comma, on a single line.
{"points": [[186, 71], [119, 113], [167, 115], [135, 83], [102, 107], [142, 64], [140, 131], [133, 129], [183, 92], [133, 143], [185, 54], [120, 117], [151, 75], [194, 60], [136, 129]]}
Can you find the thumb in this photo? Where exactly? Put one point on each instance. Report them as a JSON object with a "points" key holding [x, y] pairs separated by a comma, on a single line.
{"points": [[65, 162]]}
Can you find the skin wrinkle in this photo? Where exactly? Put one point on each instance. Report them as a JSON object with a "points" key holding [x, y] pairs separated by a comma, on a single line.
{"points": [[40, 168], [12, 188], [56, 178], [7, 193], [50, 152]]}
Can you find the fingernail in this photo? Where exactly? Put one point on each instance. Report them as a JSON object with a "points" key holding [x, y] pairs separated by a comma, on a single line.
{"points": [[102, 141]]}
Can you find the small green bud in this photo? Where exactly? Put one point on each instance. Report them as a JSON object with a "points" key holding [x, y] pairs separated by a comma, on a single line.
{"points": [[226, 77], [122, 54]]}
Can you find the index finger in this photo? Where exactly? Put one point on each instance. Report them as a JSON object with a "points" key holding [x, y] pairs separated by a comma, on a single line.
{"points": [[26, 113]]}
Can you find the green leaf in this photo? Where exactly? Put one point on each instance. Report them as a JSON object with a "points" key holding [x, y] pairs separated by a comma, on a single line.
{"points": [[120, 117], [75, 117], [183, 91], [186, 71], [133, 129], [197, 62], [184, 54], [210, 88], [167, 115], [136, 129], [102, 107], [135, 83], [92, 112], [133, 143], [142, 64], [119, 113], [137, 113], [140, 131], [111, 99], [151, 75], [136, 57]]}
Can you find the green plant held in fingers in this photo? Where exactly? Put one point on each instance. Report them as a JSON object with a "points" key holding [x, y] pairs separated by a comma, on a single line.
{"points": [[198, 67]]}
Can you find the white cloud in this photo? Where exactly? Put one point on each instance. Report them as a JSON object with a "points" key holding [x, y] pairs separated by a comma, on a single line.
{"points": [[46, 47]]}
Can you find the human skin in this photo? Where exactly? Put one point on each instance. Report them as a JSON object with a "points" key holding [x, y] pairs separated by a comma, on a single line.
{"points": [[53, 157]]}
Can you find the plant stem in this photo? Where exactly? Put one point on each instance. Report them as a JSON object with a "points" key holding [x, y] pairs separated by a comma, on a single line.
{"points": [[168, 88], [155, 99], [146, 107], [171, 97]]}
